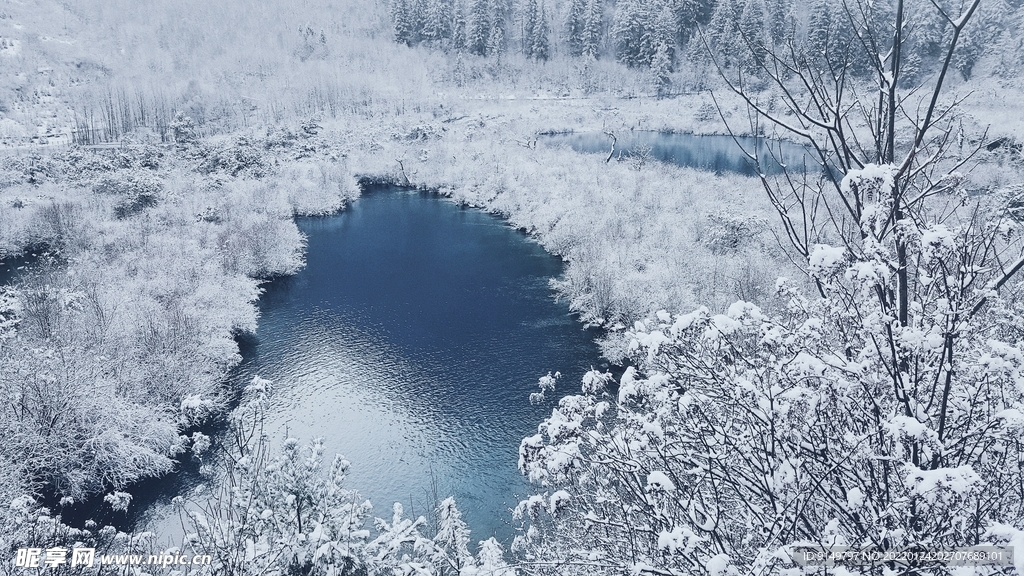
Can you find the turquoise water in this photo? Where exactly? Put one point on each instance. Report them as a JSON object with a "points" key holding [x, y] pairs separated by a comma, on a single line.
{"points": [[411, 342]]}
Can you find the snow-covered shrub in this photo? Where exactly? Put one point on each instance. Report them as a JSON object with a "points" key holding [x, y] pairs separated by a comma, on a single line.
{"points": [[317, 188], [135, 191], [260, 245], [183, 129], [25, 523], [241, 156], [748, 436], [725, 232], [9, 310]]}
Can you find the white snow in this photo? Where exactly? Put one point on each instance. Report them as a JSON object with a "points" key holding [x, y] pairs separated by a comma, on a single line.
{"points": [[658, 481]]}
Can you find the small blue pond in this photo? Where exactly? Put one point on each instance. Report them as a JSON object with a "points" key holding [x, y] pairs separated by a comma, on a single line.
{"points": [[411, 342]]}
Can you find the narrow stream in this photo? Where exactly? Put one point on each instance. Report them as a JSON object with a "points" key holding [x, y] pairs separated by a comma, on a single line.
{"points": [[708, 152]]}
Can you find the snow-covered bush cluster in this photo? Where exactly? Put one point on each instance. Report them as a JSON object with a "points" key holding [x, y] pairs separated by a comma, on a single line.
{"points": [[29, 524], [740, 438], [119, 337]]}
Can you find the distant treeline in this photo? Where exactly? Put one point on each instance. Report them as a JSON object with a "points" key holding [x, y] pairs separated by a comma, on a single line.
{"points": [[658, 33]]}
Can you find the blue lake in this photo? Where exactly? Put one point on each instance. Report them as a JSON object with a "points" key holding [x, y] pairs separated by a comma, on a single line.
{"points": [[411, 342]]}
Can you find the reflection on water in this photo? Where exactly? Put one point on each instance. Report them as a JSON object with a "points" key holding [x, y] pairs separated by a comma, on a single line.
{"points": [[410, 343], [714, 152]]}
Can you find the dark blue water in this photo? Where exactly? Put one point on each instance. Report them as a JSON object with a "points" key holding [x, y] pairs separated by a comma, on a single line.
{"points": [[12, 267], [411, 342], [714, 152]]}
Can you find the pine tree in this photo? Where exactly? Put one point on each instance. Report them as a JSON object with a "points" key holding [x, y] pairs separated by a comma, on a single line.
{"points": [[685, 13], [495, 41], [575, 26], [400, 19], [780, 20], [452, 538], [593, 29], [723, 30], [704, 9], [633, 33], [529, 24], [752, 31], [459, 27], [417, 11], [666, 30], [661, 69], [819, 32], [501, 13], [437, 21], [541, 33], [479, 29]]}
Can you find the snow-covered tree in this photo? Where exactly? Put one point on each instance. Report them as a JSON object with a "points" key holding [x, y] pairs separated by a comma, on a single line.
{"points": [[593, 30], [478, 30], [530, 16], [458, 26], [661, 68], [540, 48], [496, 41], [402, 21], [437, 22], [575, 22], [723, 36], [819, 28], [632, 32], [780, 23], [640, 28], [752, 30], [830, 42]]}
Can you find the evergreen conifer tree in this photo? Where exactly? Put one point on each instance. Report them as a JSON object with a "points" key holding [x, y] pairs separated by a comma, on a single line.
{"points": [[495, 41], [665, 31], [417, 11], [437, 21], [752, 31], [479, 29], [723, 31], [458, 26], [575, 26], [819, 25], [593, 29], [400, 19], [541, 43], [661, 68], [779, 19], [529, 23], [633, 33]]}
